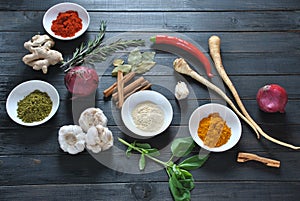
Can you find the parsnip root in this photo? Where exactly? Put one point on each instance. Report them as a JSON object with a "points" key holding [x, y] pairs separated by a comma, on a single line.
{"points": [[214, 47], [214, 43], [182, 67]]}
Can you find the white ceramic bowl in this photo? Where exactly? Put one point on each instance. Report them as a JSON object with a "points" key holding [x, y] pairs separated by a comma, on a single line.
{"points": [[142, 96], [22, 90], [53, 12], [227, 114]]}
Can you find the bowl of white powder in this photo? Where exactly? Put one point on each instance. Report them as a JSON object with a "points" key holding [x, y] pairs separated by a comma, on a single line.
{"points": [[147, 113]]}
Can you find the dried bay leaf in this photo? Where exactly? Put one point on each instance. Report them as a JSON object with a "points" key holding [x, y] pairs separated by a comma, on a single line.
{"points": [[143, 67], [134, 57], [148, 56], [125, 68]]}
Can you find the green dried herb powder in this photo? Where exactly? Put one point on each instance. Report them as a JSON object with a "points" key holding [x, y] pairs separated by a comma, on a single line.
{"points": [[36, 106]]}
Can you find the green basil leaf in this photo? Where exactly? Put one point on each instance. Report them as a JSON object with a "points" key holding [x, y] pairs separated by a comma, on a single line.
{"points": [[193, 162], [128, 151], [182, 146], [179, 192], [142, 162], [153, 152], [143, 145]]}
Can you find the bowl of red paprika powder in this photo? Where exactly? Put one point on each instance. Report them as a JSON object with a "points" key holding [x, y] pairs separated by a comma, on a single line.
{"points": [[66, 21]]}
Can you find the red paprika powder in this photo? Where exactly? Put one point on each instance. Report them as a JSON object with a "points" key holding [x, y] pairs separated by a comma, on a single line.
{"points": [[67, 24]]}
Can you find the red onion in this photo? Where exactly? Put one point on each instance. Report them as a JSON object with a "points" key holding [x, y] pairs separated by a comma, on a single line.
{"points": [[272, 98], [81, 81]]}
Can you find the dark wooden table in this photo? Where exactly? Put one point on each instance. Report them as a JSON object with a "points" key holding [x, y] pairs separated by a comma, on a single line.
{"points": [[260, 45]]}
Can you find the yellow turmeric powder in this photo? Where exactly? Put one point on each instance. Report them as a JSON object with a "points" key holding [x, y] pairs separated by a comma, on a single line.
{"points": [[213, 130]]}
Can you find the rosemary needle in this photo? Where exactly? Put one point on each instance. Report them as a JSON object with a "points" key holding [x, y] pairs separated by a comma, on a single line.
{"points": [[83, 50], [95, 52]]}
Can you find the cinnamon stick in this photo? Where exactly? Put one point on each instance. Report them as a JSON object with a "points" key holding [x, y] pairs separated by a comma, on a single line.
{"points": [[142, 86], [120, 85], [130, 87], [110, 90], [243, 157]]}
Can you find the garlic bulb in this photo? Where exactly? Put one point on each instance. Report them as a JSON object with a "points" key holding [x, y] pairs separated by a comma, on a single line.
{"points": [[92, 117], [99, 138], [181, 90], [71, 139]]}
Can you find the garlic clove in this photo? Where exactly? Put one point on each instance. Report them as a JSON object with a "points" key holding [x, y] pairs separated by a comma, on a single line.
{"points": [[181, 90]]}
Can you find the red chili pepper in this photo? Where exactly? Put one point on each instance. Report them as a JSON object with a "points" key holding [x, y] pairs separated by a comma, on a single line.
{"points": [[189, 47]]}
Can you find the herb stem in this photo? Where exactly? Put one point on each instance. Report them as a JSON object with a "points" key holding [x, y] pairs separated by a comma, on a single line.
{"points": [[147, 155], [81, 52]]}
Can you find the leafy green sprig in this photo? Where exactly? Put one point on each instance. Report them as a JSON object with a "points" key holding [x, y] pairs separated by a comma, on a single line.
{"points": [[94, 51], [181, 181], [85, 49], [101, 53]]}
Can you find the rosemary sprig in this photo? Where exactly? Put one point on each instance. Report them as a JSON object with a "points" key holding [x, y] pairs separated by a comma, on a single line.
{"points": [[101, 53], [94, 51], [85, 49]]}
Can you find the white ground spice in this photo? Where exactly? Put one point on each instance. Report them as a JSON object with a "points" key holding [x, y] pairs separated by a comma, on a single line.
{"points": [[148, 116]]}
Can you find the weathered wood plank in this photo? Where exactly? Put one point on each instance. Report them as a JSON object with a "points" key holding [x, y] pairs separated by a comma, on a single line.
{"points": [[174, 21], [157, 5], [84, 169], [242, 191], [35, 141], [235, 64], [161, 83], [251, 42]]}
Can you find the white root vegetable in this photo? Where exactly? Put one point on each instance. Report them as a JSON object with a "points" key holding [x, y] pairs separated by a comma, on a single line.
{"points": [[214, 47], [182, 67], [214, 50]]}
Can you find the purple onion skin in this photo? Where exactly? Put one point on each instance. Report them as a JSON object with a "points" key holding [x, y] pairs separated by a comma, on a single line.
{"points": [[81, 81], [272, 98]]}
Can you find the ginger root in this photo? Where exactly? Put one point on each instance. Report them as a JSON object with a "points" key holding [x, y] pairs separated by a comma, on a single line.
{"points": [[41, 56]]}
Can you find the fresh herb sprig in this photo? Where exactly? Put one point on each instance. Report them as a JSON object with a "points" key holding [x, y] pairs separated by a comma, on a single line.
{"points": [[181, 181], [101, 53], [94, 51], [85, 49]]}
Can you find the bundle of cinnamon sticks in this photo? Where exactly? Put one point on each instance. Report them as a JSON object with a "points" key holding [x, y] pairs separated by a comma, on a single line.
{"points": [[120, 91]]}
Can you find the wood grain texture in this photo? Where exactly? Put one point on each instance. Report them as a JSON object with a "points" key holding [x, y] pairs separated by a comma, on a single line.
{"points": [[174, 21], [260, 45], [157, 5], [243, 191]]}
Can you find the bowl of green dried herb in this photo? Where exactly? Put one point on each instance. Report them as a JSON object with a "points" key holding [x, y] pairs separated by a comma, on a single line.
{"points": [[32, 103]]}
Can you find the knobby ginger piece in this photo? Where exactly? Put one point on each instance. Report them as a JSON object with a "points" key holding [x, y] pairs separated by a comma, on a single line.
{"points": [[41, 56]]}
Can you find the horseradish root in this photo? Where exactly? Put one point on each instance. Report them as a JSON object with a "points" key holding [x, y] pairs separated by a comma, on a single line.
{"points": [[214, 46], [41, 56], [182, 67], [214, 50]]}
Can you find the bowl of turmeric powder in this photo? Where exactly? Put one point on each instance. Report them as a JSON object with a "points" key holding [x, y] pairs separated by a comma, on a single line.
{"points": [[215, 127], [66, 21]]}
